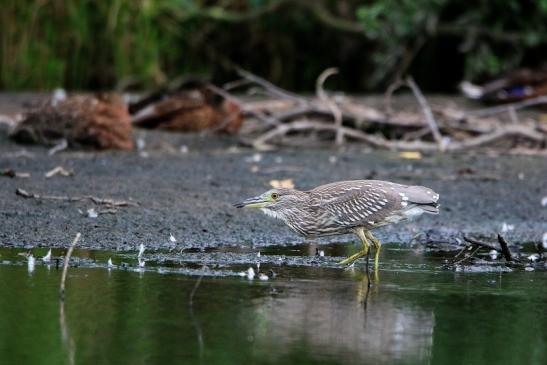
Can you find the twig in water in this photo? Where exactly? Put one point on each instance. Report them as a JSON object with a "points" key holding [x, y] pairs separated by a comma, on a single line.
{"points": [[504, 248], [479, 243], [333, 107], [94, 199], [466, 257], [65, 266]]}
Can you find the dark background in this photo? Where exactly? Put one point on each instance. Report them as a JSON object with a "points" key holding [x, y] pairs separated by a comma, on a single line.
{"points": [[138, 44]]}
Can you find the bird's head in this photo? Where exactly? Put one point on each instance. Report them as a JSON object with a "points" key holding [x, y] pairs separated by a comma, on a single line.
{"points": [[274, 200]]}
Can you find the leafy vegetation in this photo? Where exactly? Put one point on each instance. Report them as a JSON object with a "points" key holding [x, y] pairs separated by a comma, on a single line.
{"points": [[87, 44]]}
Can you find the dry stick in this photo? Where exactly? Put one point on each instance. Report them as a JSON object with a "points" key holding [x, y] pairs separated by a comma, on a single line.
{"points": [[65, 266], [467, 257], [308, 107], [226, 95], [504, 248], [61, 146], [427, 112], [94, 199], [275, 90], [261, 142], [479, 243], [333, 107], [513, 115], [454, 259], [388, 95], [235, 84]]}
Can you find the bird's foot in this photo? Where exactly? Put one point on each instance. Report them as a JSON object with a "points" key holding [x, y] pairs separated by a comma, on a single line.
{"points": [[350, 260]]}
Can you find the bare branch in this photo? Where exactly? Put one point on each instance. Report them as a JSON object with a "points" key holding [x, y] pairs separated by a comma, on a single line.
{"points": [[430, 119], [333, 107], [268, 86], [505, 108], [504, 248], [261, 142]]}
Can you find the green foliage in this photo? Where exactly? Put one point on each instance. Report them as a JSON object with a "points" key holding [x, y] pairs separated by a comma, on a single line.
{"points": [[89, 44], [495, 35]]}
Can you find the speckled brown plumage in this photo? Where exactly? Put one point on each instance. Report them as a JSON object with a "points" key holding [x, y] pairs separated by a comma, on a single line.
{"points": [[356, 206]]}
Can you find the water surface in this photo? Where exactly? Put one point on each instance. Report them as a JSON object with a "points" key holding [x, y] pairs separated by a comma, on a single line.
{"points": [[175, 310]]}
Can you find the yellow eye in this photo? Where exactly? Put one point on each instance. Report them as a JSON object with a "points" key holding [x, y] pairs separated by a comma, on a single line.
{"points": [[275, 196]]}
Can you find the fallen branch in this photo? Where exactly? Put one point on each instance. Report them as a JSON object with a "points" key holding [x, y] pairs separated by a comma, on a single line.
{"points": [[430, 119], [503, 244], [466, 256], [94, 199], [450, 129], [504, 248], [261, 142], [480, 243], [334, 109], [65, 266], [268, 86], [507, 107]]}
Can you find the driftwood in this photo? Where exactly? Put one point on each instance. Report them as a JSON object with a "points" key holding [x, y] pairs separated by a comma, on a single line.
{"points": [[473, 246], [285, 114]]}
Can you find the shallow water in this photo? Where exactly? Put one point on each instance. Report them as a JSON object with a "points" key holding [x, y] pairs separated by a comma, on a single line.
{"points": [[175, 310]]}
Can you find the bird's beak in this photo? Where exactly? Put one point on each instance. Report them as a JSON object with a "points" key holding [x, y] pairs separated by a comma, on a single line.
{"points": [[256, 202]]}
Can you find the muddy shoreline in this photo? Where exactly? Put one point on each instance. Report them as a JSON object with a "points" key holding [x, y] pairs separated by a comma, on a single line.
{"points": [[185, 186]]}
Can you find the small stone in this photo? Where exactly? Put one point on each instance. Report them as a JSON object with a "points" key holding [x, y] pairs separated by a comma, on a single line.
{"points": [[91, 213]]}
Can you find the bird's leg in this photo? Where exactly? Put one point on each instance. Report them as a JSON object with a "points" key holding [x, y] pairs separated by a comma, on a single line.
{"points": [[377, 246], [360, 232], [368, 271]]}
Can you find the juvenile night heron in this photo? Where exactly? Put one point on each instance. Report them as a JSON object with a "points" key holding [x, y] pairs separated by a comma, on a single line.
{"points": [[357, 206]]}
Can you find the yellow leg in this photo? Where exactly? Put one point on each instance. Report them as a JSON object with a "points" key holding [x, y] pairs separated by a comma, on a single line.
{"points": [[377, 246], [360, 232]]}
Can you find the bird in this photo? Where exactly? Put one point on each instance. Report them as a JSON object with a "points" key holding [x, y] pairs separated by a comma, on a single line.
{"points": [[355, 206]]}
